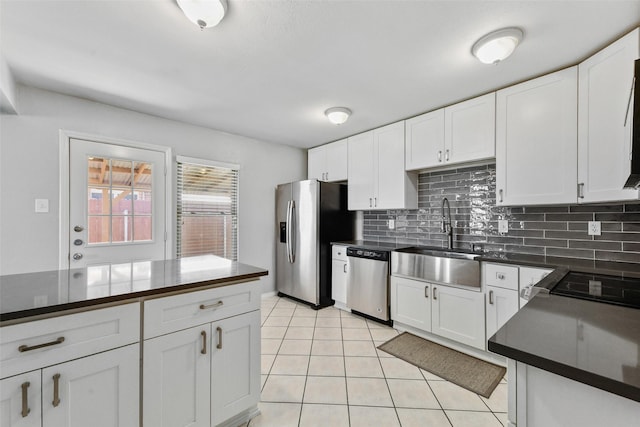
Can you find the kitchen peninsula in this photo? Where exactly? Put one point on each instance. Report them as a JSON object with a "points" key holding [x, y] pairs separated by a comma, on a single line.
{"points": [[181, 337]]}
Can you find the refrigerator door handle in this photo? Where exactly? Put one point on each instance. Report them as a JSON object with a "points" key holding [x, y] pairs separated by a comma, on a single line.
{"points": [[292, 233], [289, 231]]}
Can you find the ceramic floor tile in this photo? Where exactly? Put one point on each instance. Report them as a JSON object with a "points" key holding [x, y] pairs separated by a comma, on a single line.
{"points": [[368, 392], [273, 332], [497, 402], [329, 312], [473, 419], [383, 334], [327, 334], [330, 366], [283, 388], [372, 324], [263, 379], [299, 333], [331, 390], [282, 312], [328, 322], [277, 415], [290, 365], [277, 321], [397, 368], [302, 311], [308, 322], [381, 353], [316, 415], [422, 418], [326, 348], [298, 347], [266, 361], [363, 367], [283, 303], [431, 377], [355, 334], [364, 416], [451, 396], [502, 417], [270, 345], [353, 323], [412, 394], [359, 348]]}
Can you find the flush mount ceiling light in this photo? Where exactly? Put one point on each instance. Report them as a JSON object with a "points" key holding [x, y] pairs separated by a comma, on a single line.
{"points": [[497, 45], [204, 13], [337, 115]]}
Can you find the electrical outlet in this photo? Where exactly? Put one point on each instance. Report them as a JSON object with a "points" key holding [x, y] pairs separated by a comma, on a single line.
{"points": [[594, 228], [392, 224], [503, 226], [42, 205]]}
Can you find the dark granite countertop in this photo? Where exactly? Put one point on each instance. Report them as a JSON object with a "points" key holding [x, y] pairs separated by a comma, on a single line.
{"points": [[372, 245], [31, 294], [591, 342]]}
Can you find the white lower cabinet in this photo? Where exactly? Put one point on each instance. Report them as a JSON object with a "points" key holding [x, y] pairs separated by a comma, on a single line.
{"points": [[20, 400], [457, 314], [501, 304], [339, 273]]}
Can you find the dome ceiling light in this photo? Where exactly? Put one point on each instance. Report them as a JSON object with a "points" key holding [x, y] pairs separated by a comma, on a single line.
{"points": [[337, 115], [204, 13], [497, 45]]}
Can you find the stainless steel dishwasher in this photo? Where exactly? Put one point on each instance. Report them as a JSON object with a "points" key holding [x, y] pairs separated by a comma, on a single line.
{"points": [[368, 283]]}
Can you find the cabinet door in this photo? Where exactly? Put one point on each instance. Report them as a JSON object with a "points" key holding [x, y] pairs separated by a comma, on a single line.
{"points": [[339, 282], [235, 366], [458, 314], [536, 141], [410, 303], [98, 391], [177, 379], [317, 163], [20, 400], [604, 141], [425, 140], [336, 161], [501, 305], [361, 171], [391, 180], [469, 130]]}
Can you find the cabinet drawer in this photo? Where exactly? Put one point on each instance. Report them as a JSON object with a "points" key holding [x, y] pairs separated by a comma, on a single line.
{"points": [[501, 275], [339, 252], [23, 346], [169, 314]]}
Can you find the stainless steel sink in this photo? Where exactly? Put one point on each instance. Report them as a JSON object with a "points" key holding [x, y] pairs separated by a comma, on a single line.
{"points": [[444, 266]]}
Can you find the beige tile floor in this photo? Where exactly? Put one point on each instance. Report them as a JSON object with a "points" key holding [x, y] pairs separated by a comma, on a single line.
{"points": [[322, 368]]}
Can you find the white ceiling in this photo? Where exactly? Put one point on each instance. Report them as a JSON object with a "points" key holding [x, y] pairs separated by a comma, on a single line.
{"points": [[271, 68]]}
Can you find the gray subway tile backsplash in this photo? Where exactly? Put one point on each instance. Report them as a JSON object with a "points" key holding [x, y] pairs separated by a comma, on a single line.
{"points": [[554, 231]]}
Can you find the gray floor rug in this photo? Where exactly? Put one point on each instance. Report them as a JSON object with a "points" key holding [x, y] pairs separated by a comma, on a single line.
{"points": [[466, 371]]}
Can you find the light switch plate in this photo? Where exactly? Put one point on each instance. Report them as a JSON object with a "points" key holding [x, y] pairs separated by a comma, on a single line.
{"points": [[503, 226], [42, 205], [594, 228]]}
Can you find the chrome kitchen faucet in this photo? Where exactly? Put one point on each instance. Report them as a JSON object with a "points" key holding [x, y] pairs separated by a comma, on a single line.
{"points": [[446, 223]]}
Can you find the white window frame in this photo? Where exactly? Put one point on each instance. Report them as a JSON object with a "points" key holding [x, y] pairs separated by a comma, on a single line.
{"points": [[206, 163]]}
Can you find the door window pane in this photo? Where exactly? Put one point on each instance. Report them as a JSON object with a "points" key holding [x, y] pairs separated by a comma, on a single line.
{"points": [[142, 228], [99, 229], [121, 229]]}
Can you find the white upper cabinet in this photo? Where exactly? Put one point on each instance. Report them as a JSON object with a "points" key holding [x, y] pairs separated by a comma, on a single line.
{"points": [[536, 141], [605, 121], [377, 177], [460, 133], [328, 162]]}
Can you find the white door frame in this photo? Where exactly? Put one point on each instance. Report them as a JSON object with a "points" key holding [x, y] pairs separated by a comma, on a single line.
{"points": [[64, 196]]}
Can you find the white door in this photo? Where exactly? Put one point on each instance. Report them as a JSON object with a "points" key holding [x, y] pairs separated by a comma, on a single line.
{"points": [[411, 303], [339, 282], [336, 161], [316, 163], [98, 391], [177, 379], [501, 305], [20, 400], [458, 314], [390, 180], [116, 204], [470, 130], [425, 140], [361, 171], [235, 366]]}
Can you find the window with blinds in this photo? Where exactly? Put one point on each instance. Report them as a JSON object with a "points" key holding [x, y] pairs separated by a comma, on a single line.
{"points": [[207, 208]]}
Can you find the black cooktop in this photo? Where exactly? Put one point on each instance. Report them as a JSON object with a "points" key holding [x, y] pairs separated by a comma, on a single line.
{"points": [[601, 288]]}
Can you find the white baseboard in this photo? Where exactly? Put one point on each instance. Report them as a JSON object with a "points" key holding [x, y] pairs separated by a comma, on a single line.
{"points": [[269, 294]]}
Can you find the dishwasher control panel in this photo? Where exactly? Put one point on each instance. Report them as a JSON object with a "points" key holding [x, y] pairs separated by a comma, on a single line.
{"points": [[368, 254]]}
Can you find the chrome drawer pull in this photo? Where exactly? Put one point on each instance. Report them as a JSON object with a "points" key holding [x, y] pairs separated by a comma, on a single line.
{"points": [[219, 329], [500, 276], [56, 391], [491, 297], [214, 305], [25, 403], [434, 293], [426, 292], [24, 348], [204, 342]]}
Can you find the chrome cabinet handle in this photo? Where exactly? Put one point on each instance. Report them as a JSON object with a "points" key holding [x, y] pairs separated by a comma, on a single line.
{"points": [[219, 329], [491, 297], [204, 342], [446, 155], [500, 193], [24, 348], [56, 390], [500, 276], [25, 402], [370, 202], [214, 305], [439, 156], [326, 176], [375, 202], [426, 292], [434, 293], [581, 190], [344, 267]]}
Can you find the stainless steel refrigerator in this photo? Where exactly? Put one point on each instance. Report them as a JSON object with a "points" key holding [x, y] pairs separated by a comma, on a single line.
{"points": [[309, 216]]}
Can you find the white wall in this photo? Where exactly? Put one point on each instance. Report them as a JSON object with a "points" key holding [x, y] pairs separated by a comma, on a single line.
{"points": [[29, 169]]}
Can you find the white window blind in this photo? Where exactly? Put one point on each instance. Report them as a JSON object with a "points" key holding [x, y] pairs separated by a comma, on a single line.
{"points": [[207, 208]]}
